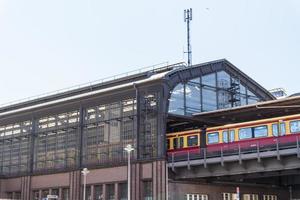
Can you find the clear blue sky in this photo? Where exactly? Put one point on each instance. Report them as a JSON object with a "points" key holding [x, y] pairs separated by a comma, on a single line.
{"points": [[47, 45]]}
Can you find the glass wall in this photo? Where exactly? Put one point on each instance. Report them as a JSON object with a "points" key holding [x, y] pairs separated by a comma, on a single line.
{"points": [[57, 141], [15, 147], [97, 136], [209, 92], [148, 126], [107, 130]]}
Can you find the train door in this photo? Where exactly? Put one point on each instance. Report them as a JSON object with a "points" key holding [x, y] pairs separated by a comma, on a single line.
{"points": [[178, 143], [228, 137], [279, 129]]}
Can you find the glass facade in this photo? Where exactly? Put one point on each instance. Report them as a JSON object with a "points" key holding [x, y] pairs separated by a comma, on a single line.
{"points": [[56, 141], [15, 147], [108, 129], [60, 139], [209, 92]]}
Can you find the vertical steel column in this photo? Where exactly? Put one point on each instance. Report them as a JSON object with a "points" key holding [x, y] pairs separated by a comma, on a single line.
{"points": [[33, 136], [81, 126]]}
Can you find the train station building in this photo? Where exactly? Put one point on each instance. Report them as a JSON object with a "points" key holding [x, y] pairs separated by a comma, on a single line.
{"points": [[45, 142]]}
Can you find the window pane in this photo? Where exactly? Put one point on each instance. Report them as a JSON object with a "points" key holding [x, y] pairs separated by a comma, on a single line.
{"points": [[98, 193], [282, 128], [175, 143], [209, 99], [147, 193], [192, 140], [225, 136], [123, 191], [231, 139], [245, 133], [193, 98], [209, 79], [295, 126], [275, 129], [223, 79], [65, 194], [110, 192], [176, 102], [261, 131], [181, 142], [213, 138], [223, 99]]}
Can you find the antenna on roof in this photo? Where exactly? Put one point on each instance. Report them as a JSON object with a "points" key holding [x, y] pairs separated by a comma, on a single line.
{"points": [[187, 19]]}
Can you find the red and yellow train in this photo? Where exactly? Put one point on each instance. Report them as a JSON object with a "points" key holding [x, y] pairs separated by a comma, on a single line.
{"points": [[266, 132]]}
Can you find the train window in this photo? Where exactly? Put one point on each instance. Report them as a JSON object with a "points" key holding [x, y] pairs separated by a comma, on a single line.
{"points": [[282, 128], [192, 140], [213, 138], [225, 136], [168, 143], [231, 135], [260, 131], [275, 129], [245, 133], [295, 126], [175, 143], [181, 142]]}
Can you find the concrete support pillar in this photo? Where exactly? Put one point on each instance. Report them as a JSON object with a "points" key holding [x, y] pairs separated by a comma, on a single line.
{"points": [[159, 180], [75, 185], [26, 188], [135, 181], [92, 192], [40, 194], [59, 193], [104, 191], [116, 191], [2, 189]]}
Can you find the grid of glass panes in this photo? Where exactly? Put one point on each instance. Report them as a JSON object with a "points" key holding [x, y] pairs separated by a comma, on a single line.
{"points": [[108, 128], [148, 126], [57, 141], [15, 147], [209, 92]]}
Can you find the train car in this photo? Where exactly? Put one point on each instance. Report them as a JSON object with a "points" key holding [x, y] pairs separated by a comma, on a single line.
{"points": [[263, 134]]}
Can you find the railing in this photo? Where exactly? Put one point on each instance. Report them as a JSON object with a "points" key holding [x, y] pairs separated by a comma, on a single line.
{"points": [[152, 68], [238, 149]]}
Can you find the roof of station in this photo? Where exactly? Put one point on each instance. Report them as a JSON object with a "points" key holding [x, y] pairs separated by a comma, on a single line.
{"points": [[260, 110], [172, 73]]}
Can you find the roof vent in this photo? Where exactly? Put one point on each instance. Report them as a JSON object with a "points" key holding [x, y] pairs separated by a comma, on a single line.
{"points": [[278, 93]]}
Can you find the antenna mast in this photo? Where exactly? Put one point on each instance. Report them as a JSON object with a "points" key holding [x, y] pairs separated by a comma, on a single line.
{"points": [[187, 19]]}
